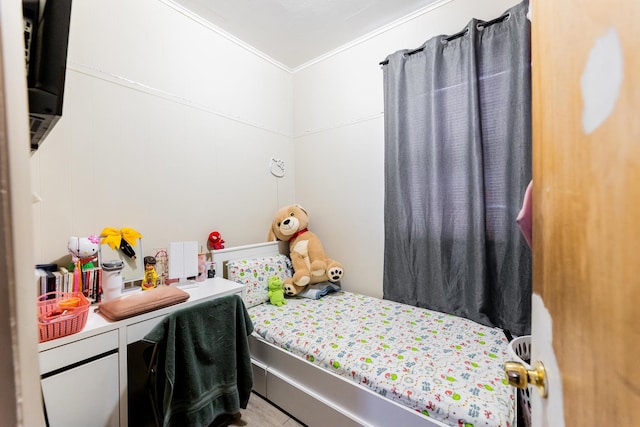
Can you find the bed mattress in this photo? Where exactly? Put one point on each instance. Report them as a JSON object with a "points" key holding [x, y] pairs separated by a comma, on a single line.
{"points": [[445, 367]]}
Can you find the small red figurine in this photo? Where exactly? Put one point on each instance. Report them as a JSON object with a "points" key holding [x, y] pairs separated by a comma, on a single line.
{"points": [[215, 241]]}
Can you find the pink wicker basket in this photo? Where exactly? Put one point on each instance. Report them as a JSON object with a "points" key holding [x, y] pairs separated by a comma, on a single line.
{"points": [[56, 319]]}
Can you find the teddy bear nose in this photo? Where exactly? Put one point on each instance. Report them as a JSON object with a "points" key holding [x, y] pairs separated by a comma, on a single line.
{"points": [[286, 221]]}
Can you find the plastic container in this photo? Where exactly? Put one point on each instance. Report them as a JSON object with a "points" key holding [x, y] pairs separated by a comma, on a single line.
{"points": [[61, 314], [520, 349], [112, 279]]}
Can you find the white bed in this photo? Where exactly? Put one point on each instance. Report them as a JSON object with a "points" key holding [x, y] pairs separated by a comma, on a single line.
{"points": [[352, 360]]}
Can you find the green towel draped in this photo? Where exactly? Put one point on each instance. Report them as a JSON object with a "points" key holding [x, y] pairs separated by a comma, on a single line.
{"points": [[203, 365]]}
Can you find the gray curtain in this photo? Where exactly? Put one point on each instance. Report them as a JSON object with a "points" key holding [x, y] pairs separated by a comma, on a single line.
{"points": [[457, 164]]}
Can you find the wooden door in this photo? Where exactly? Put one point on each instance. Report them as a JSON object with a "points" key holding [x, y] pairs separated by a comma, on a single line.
{"points": [[586, 204]]}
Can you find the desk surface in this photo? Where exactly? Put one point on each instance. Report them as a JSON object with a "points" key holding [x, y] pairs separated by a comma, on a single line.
{"points": [[96, 324]]}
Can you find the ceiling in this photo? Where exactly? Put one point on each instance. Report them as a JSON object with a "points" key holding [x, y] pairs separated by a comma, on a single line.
{"points": [[294, 32]]}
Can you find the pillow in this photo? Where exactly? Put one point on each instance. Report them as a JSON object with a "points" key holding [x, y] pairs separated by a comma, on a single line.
{"points": [[255, 273]]}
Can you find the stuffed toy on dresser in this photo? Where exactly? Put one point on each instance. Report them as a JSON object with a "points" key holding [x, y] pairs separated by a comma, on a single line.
{"points": [[310, 263]]}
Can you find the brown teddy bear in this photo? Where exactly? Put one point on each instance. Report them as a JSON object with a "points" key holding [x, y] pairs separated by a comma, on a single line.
{"points": [[310, 264]]}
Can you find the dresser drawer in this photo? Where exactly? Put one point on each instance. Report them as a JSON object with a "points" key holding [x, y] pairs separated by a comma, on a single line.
{"points": [[77, 351]]}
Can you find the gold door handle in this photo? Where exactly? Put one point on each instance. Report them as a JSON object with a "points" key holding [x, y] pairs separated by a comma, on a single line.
{"points": [[519, 376]]}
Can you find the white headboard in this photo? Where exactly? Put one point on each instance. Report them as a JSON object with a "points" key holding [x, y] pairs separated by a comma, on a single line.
{"points": [[220, 257]]}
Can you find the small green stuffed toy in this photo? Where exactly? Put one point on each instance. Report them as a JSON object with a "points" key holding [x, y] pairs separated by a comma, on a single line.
{"points": [[276, 291]]}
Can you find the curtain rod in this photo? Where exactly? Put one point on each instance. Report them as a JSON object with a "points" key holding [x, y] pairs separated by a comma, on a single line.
{"points": [[479, 26]]}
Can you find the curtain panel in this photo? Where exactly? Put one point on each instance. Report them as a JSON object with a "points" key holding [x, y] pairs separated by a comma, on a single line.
{"points": [[457, 164]]}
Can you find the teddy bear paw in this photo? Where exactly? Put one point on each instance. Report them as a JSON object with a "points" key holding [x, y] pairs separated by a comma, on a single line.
{"points": [[335, 274], [289, 289]]}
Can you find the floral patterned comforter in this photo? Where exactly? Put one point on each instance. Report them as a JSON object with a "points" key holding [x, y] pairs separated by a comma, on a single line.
{"points": [[445, 367]]}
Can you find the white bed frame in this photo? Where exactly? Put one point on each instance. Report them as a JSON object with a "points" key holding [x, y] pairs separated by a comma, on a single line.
{"points": [[314, 396]]}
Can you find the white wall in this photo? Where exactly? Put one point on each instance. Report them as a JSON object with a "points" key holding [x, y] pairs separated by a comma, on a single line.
{"points": [[339, 137], [168, 128]]}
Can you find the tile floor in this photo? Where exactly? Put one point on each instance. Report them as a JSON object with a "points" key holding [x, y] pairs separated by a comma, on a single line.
{"points": [[259, 413]]}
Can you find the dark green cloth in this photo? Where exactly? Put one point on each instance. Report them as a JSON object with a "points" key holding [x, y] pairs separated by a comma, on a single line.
{"points": [[203, 365]]}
